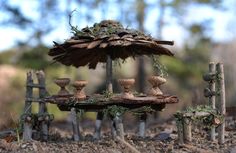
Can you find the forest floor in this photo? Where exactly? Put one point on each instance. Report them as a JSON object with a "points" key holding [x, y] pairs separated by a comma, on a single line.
{"points": [[160, 138]]}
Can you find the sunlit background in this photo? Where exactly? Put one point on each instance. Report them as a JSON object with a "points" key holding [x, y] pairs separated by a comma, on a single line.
{"points": [[203, 31]]}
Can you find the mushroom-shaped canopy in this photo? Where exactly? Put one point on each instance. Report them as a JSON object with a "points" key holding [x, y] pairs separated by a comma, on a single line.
{"points": [[93, 44]]}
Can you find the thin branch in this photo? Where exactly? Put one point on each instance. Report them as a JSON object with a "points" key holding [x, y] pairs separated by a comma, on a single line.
{"points": [[70, 17], [132, 148]]}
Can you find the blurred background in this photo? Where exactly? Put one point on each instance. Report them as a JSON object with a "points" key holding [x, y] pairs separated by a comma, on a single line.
{"points": [[203, 31]]}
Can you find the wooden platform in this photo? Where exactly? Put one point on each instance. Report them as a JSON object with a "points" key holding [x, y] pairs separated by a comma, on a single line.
{"points": [[98, 102]]}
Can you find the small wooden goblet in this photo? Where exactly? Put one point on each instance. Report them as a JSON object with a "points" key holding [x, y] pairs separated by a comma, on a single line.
{"points": [[126, 84], [79, 85], [156, 82], [62, 82]]}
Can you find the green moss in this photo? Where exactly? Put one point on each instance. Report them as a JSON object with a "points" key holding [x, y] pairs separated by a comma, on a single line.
{"points": [[107, 94], [102, 29], [158, 67], [206, 121], [114, 110], [139, 111]]}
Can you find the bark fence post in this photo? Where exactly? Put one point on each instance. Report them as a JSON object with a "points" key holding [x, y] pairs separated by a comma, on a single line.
{"points": [[212, 69], [27, 125], [187, 130], [221, 86], [180, 130], [42, 106]]}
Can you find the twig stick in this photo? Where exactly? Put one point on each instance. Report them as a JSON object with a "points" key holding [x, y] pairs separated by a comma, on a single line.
{"points": [[42, 106], [212, 69], [180, 130], [27, 133], [221, 84], [142, 125], [132, 148], [98, 125], [196, 114], [119, 126], [97, 133], [109, 74], [187, 130], [27, 126], [29, 92], [113, 128], [75, 125], [164, 42]]}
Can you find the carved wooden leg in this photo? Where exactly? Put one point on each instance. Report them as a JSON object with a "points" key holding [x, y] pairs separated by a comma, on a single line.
{"points": [[142, 125], [98, 123], [113, 128], [75, 124], [119, 126]]}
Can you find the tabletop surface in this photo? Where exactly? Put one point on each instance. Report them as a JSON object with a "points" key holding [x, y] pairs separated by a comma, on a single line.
{"points": [[97, 102]]}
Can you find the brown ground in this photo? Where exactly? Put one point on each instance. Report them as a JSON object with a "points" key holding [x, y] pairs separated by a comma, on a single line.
{"points": [[160, 138]]}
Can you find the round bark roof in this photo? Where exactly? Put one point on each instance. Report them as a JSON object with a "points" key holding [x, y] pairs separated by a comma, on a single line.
{"points": [[92, 45]]}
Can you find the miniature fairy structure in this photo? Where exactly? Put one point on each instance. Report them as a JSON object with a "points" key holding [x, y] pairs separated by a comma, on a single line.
{"points": [[209, 115], [104, 42]]}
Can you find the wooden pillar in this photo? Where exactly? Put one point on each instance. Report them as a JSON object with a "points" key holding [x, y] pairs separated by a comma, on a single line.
{"points": [[109, 88], [109, 74], [119, 126], [75, 124], [27, 126], [142, 125], [42, 106], [187, 129], [212, 69], [119, 130], [113, 128], [221, 86], [141, 74], [97, 133]]}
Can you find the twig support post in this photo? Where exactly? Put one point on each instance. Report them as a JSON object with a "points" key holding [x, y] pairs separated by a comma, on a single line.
{"points": [[221, 85]]}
